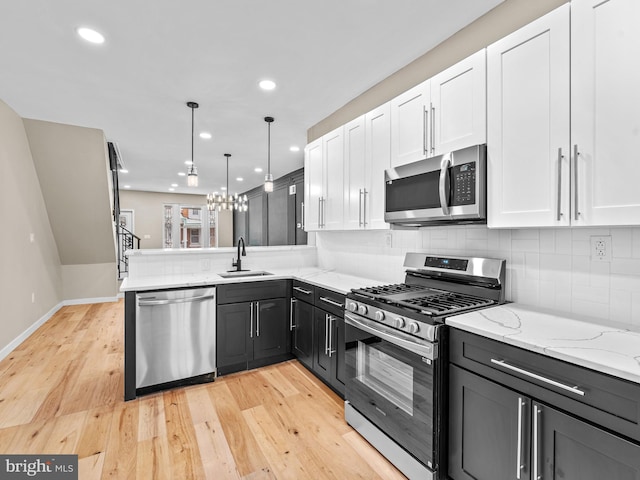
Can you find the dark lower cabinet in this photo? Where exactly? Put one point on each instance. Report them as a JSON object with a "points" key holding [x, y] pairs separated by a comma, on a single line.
{"points": [[301, 326], [496, 433], [251, 334], [329, 348]]}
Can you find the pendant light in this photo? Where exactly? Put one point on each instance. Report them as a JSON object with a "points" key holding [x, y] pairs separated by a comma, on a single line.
{"points": [[226, 201], [192, 176], [268, 178]]}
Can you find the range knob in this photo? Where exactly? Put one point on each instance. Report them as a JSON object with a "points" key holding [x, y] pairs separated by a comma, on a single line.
{"points": [[379, 315], [362, 309], [400, 322], [414, 327], [352, 306]]}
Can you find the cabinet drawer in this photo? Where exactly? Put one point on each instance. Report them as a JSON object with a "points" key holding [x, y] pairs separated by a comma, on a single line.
{"points": [[611, 402], [332, 302], [251, 291], [303, 291]]}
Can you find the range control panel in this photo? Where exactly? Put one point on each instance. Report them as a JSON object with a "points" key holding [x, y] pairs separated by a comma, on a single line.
{"points": [[463, 184]]}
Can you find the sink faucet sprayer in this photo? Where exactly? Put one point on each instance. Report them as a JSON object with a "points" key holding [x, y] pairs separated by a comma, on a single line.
{"points": [[238, 264]]}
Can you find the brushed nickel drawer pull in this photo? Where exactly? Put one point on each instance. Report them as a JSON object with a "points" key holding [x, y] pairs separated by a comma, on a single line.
{"points": [[302, 290], [568, 388], [331, 302]]}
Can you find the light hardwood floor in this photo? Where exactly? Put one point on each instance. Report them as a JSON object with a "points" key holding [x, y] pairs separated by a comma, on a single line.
{"points": [[61, 391]]}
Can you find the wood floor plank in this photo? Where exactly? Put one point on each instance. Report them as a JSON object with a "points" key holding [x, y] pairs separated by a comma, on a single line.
{"points": [[154, 460], [183, 447], [95, 434], [90, 468], [378, 463], [245, 450], [121, 453], [66, 433], [151, 421]]}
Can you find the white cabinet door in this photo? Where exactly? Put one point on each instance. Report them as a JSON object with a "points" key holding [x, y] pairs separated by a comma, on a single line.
{"points": [[605, 116], [527, 123], [313, 182], [409, 113], [355, 166], [378, 158], [332, 201], [459, 106]]}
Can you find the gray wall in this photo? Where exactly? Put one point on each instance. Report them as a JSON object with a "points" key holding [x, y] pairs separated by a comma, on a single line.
{"points": [[502, 20], [26, 267]]}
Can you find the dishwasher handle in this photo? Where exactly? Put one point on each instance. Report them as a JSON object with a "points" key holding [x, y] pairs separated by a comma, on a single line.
{"points": [[144, 303]]}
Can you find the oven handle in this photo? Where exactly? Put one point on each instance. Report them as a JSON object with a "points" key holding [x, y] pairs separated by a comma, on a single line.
{"points": [[418, 346]]}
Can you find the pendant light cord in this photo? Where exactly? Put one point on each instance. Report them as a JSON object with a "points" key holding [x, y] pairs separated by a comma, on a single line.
{"points": [[269, 148], [192, 130]]}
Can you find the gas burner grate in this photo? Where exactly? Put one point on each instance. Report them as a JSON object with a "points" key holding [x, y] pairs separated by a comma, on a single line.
{"points": [[445, 303], [388, 290]]}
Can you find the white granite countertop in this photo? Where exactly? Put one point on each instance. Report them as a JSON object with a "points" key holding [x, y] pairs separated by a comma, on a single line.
{"points": [[329, 279], [597, 344]]}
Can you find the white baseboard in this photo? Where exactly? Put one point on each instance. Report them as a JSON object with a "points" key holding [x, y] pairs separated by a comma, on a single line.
{"points": [[11, 346], [84, 301]]}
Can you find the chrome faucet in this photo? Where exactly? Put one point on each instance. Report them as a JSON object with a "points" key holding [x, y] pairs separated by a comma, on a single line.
{"points": [[238, 263]]}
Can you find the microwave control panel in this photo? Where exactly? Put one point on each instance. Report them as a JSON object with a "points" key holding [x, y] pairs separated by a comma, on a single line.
{"points": [[463, 179]]}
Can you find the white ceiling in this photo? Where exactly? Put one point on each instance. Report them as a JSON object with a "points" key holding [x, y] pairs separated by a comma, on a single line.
{"points": [[160, 54]]}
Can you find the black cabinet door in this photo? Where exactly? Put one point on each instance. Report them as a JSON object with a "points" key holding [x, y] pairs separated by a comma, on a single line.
{"points": [[567, 448], [484, 422], [321, 360], [233, 340], [271, 328], [338, 373], [302, 334]]}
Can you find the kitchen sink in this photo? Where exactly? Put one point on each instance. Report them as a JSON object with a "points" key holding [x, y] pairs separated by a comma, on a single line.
{"points": [[244, 273]]}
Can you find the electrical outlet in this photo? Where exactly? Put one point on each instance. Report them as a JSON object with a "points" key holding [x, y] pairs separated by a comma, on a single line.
{"points": [[387, 239], [601, 248]]}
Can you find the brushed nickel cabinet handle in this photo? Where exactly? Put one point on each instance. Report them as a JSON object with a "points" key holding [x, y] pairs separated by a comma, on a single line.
{"points": [[302, 290], [425, 130], [257, 319], [331, 302], [560, 157], [519, 465], [513, 368], [359, 207], [575, 178], [291, 324], [536, 447], [433, 129], [251, 320], [364, 207]]}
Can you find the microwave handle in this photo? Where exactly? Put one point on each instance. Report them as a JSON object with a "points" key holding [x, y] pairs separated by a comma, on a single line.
{"points": [[444, 182]]}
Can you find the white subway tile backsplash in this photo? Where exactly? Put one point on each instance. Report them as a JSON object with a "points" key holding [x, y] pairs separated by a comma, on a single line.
{"points": [[549, 268]]}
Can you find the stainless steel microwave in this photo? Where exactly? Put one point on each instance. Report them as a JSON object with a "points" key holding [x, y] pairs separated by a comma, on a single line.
{"points": [[449, 188]]}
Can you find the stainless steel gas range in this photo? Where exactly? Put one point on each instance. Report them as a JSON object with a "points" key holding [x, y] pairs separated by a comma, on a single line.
{"points": [[396, 355]]}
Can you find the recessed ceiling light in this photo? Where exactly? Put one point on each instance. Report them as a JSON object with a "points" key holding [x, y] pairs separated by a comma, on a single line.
{"points": [[223, 188], [257, 170], [182, 174], [267, 84], [294, 148], [188, 162], [172, 189], [124, 170], [127, 186], [239, 179], [215, 193], [90, 35], [205, 135], [174, 184]]}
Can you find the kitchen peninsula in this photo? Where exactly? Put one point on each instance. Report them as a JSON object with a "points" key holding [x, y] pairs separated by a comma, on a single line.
{"points": [[183, 269]]}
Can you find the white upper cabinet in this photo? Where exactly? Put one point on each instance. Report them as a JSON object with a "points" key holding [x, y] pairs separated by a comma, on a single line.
{"points": [[332, 202], [409, 116], [605, 111], [528, 124], [378, 159], [312, 185], [444, 113], [366, 157], [355, 165], [323, 169], [563, 119], [458, 116]]}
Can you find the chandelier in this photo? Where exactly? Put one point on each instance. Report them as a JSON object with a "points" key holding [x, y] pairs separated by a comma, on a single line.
{"points": [[226, 201]]}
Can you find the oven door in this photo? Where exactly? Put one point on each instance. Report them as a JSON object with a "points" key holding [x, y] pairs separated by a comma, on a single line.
{"points": [[390, 381]]}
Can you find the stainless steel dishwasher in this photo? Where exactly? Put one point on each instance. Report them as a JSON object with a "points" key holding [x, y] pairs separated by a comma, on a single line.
{"points": [[175, 335]]}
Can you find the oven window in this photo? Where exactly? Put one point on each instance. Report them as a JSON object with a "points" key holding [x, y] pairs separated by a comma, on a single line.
{"points": [[386, 375]]}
